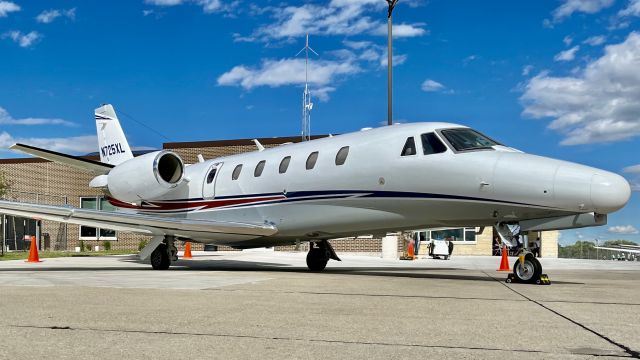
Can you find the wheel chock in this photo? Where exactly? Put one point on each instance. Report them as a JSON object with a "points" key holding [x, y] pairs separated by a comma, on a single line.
{"points": [[543, 279]]}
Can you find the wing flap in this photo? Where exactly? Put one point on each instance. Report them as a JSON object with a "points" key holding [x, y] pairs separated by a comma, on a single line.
{"points": [[94, 167], [132, 222]]}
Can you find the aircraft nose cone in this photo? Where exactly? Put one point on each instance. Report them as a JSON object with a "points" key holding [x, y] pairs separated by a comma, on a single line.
{"points": [[609, 192]]}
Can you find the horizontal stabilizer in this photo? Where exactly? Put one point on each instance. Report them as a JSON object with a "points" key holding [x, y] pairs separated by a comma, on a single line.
{"points": [[94, 167]]}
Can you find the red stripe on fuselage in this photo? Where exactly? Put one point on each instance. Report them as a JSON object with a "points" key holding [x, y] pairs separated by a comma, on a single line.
{"points": [[186, 205]]}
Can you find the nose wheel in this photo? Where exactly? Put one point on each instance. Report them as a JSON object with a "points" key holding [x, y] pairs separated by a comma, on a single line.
{"points": [[528, 270]]}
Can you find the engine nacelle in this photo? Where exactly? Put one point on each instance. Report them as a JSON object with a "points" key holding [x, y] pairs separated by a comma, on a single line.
{"points": [[146, 177]]}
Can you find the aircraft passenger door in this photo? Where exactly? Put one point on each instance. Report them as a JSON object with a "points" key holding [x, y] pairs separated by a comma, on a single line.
{"points": [[209, 183]]}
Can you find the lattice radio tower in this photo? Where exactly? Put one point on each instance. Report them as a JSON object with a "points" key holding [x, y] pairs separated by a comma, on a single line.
{"points": [[307, 105]]}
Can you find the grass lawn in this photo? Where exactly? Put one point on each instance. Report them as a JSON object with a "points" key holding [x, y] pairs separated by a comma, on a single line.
{"points": [[19, 255]]}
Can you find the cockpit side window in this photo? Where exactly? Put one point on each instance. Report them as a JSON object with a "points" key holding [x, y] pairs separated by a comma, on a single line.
{"points": [[464, 139], [409, 147], [431, 144]]}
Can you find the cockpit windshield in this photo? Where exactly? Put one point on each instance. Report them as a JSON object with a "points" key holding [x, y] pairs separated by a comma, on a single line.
{"points": [[464, 139]]}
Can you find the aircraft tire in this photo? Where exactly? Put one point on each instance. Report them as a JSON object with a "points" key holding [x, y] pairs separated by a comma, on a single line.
{"points": [[160, 258], [317, 259], [528, 273]]}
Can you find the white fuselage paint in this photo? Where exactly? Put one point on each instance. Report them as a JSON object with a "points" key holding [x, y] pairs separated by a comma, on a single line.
{"points": [[377, 190]]}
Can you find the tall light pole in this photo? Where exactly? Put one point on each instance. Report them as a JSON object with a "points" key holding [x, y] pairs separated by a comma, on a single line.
{"points": [[392, 4]]}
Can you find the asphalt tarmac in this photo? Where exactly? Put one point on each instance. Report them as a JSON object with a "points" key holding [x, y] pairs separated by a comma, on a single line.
{"points": [[266, 305]]}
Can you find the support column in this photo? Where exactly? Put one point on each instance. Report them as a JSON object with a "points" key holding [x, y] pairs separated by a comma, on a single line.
{"points": [[390, 246]]}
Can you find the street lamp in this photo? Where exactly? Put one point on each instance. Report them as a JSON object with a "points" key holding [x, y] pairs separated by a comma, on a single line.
{"points": [[392, 4]]}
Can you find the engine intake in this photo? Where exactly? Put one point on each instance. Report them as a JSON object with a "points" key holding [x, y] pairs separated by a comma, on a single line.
{"points": [[146, 177]]}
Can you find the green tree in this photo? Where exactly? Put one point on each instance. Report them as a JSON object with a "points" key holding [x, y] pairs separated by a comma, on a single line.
{"points": [[619, 242]]}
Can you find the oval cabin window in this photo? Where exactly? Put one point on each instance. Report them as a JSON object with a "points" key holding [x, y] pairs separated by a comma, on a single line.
{"points": [[341, 156], [236, 172], [311, 160], [259, 168], [284, 164]]}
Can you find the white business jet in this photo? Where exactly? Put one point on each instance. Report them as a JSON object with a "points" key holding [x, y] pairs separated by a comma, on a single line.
{"points": [[409, 176]]}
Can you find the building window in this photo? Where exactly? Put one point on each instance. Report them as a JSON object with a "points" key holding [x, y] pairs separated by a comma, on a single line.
{"points": [[311, 160], [259, 168], [236, 172], [284, 164], [341, 156], [409, 147], [458, 235], [90, 233], [431, 144]]}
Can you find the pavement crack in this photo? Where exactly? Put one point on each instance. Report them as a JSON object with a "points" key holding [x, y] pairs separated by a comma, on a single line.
{"points": [[286, 338], [632, 353]]}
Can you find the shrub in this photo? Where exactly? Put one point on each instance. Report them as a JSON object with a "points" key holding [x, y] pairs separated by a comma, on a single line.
{"points": [[106, 245], [81, 246], [142, 244]]}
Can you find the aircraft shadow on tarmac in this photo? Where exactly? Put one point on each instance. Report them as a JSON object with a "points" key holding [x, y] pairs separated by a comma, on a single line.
{"points": [[233, 265]]}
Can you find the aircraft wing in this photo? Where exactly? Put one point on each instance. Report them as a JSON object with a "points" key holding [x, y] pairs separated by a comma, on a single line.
{"points": [[627, 250], [94, 167], [139, 223]]}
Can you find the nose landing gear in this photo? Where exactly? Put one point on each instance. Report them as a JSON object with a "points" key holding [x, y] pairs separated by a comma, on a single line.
{"points": [[527, 269]]}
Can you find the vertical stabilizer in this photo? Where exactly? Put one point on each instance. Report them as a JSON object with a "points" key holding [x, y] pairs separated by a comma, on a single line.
{"points": [[113, 146]]}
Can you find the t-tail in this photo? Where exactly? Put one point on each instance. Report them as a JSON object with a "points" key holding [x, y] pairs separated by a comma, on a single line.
{"points": [[113, 146]]}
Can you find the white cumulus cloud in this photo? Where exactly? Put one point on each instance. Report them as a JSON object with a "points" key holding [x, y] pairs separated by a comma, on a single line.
{"points": [[569, 7], [49, 16], [338, 17], [7, 119], [599, 103], [567, 55], [24, 40], [623, 229], [7, 7], [432, 86], [527, 70], [290, 71], [633, 9], [74, 144], [208, 6], [635, 169], [595, 40]]}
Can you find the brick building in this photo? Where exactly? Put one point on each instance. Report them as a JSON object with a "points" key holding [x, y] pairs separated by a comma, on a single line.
{"points": [[40, 181]]}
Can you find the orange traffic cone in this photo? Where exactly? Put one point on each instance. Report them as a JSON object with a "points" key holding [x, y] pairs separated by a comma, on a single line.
{"points": [[410, 252], [187, 251], [33, 252], [504, 263]]}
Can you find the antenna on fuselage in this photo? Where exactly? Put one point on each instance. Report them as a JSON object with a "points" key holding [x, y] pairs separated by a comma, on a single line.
{"points": [[307, 105]]}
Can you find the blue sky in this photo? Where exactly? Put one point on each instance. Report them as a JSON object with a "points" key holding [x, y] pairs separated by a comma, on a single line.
{"points": [[558, 78]]}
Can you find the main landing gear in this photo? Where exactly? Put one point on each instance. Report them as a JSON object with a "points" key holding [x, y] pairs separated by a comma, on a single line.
{"points": [[319, 254], [164, 254]]}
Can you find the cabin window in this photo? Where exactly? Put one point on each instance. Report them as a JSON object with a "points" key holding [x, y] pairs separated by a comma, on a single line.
{"points": [[465, 139], [236, 172], [258, 171], [284, 164], [341, 156], [409, 147], [431, 144], [211, 175], [311, 160]]}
